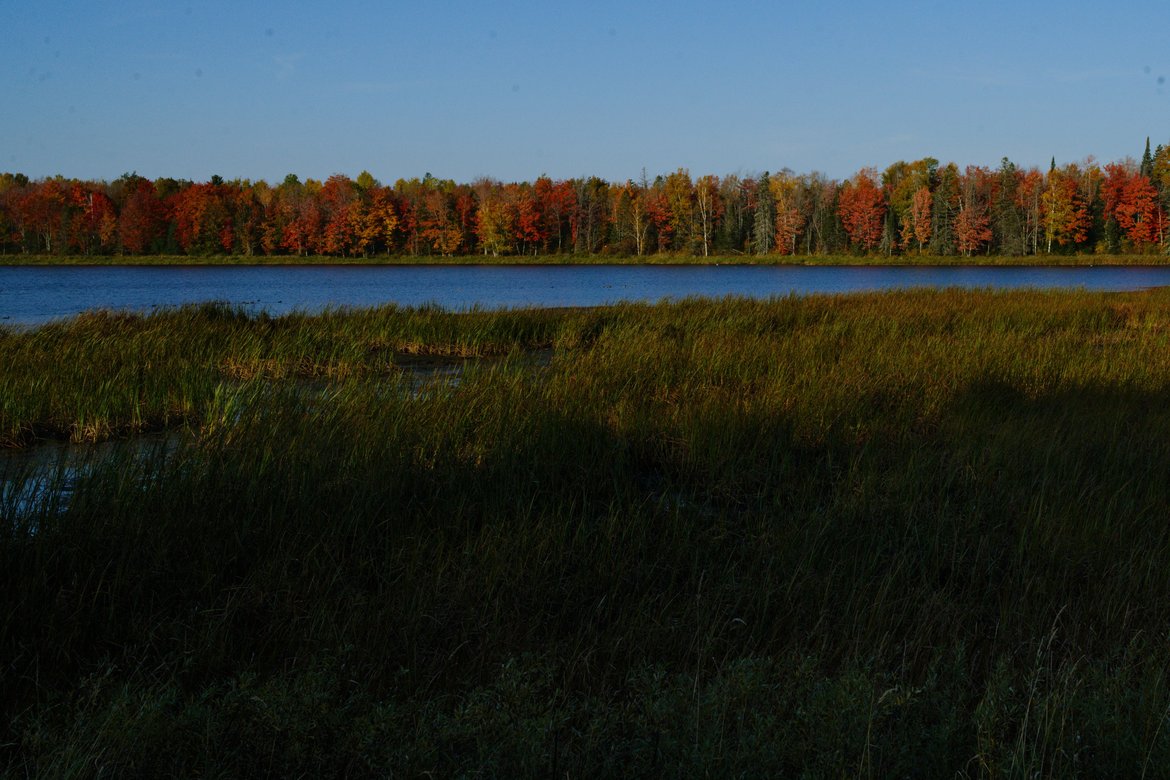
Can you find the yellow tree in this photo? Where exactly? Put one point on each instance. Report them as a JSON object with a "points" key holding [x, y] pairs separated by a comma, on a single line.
{"points": [[439, 223], [901, 183], [1066, 219], [363, 228], [790, 218], [916, 224], [493, 224], [381, 218]]}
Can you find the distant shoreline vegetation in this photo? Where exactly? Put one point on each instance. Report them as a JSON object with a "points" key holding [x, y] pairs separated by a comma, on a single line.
{"points": [[919, 211], [584, 260]]}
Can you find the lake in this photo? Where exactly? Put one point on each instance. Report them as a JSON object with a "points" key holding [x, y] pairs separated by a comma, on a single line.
{"points": [[30, 295]]}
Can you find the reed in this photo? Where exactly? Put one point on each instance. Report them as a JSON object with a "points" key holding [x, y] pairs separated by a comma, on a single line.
{"points": [[914, 534]]}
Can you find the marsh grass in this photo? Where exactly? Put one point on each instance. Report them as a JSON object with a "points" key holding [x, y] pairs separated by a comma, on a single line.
{"points": [[911, 534]]}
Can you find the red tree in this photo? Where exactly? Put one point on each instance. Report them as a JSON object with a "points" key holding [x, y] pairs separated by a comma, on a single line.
{"points": [[41, 211], [972, 229], [143, 219], [94, 223], [1138, 213], [917, 226], [203, 223], [862, 207], [529, 226]]}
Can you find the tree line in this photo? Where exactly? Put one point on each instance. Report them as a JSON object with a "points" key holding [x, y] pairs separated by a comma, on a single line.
{"points": [[910, 208]]}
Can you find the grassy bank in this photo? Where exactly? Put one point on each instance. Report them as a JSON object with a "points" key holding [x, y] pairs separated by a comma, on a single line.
{"points": [[915, 534], [994, 260]]}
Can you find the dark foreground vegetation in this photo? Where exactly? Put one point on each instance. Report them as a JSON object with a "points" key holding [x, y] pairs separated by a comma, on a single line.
{"points": [[920, 534]]}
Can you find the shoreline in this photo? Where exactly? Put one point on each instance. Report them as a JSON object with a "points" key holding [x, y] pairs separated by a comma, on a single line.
{"points": [[570, 260]]}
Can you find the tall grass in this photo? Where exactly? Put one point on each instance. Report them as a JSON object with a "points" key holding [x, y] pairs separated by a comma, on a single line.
{"points": [[909, 534]]}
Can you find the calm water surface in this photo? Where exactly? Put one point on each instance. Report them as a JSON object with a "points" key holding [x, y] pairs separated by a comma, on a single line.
{"points": [[33, 295]]}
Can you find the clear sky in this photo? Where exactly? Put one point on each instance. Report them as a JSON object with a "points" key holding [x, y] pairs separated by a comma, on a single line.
{"points": [[512, 90]]}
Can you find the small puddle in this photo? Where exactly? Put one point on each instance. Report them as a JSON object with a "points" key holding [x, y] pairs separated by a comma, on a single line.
{"points": [[421, 371], [43, 478]]}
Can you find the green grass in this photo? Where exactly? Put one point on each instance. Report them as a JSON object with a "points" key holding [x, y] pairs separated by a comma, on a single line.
{"points": [[576, 259], [915, 534]]}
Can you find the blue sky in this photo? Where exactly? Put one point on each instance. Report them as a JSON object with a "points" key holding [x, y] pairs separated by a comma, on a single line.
{"points": [[512, 90]]}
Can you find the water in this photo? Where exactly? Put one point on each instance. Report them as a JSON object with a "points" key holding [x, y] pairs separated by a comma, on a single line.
{"points": [[31, 295], [44, 477]]}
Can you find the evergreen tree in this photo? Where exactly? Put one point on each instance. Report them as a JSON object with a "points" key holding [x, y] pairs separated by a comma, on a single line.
{"points": [[764, 228], [1147, 168], [945, 211], [1007, 221]]}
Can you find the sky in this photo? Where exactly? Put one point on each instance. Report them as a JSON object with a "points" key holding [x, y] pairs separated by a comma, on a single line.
{"points": [[514, 90]]}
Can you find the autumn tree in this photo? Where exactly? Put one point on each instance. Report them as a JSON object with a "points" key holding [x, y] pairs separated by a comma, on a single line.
{"points": [[658, 216], [862, 209], [440, 223], [95, 223], [1139, 214], [494, 218], [916, 226], [382, 220], [1066, 218], [203, 219], [278, 211], [555, 202], [247, 206], [341, 213], [409, 194], [972, 229], [900, 182], [528, 224], [40, 212], [680, 200], [973, 223], [302, 229], [789, 215], [143, 218]]}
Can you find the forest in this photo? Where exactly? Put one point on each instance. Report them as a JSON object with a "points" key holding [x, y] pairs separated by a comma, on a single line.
{"points": [[918, 208]]}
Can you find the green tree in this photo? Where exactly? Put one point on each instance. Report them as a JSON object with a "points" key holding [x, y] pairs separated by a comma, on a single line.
{"points": [[764, 226], [945, 211], [1007, 218], [1147, 167]]}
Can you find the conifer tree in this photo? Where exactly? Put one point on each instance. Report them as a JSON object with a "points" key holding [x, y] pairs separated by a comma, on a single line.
{"points": [[1147, 168], [764, 228]]}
